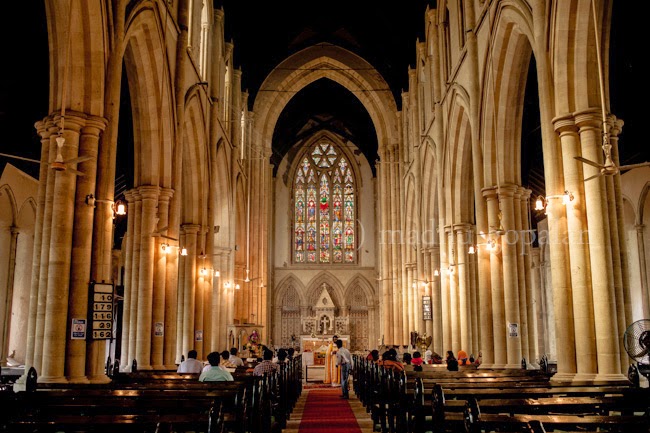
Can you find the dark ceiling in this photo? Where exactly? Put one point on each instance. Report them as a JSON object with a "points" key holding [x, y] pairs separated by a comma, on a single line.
{"points": [[265, 33]]}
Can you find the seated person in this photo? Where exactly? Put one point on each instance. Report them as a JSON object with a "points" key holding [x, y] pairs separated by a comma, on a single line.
{"points": [[452, 362], [234, 359], [225, 360], [191, 364], [215, 373], [417, 368], [373, 356], [290, 353], [417, 358], [463, 359], [436, 359], [406, 359], [389, 360], [266, 366], [282, 356]]}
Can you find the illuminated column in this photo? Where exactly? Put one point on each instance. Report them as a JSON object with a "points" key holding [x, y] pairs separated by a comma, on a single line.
{"points": [[398, 329], [189, 289], [521, 272], [645, 296], [499, 326], [510, 280], [384, 246], [172, 264], [531, 304], [159, 281], [60, 252], [125, 355], [583, 307], [445, 289], [135, 273], [436, 301], [149, 195], [462, 244], [600, 253]]}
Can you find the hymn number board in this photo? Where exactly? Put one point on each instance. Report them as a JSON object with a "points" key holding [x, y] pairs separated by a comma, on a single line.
{"points": [[102, 308]]}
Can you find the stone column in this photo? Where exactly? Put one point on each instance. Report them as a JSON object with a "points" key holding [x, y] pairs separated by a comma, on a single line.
{"points": [[454, 306], [199, 293], [60, 252], [189, 289], [180, 297], [44, 261], [408, 298], [445, 289], [135, 275], [510, 279], [159, 281], [43, 129], [149, 195], [436, 301], [384, 245], [583, 307], [76, 350], [602, 277], [499, 326], [126, 356], [521, 271], [536, 283], [619, 244], [531, 303], [640, 239], [485, 315], [172, 264], [9, 291], [398, 331], [462, 234]]}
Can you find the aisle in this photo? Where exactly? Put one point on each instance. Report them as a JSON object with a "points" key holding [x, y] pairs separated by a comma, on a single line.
{"points": [[322, 411]]}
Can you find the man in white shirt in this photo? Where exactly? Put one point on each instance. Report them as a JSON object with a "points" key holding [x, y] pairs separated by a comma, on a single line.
{"points": [[234, 359], [344, 359], [191, 364]]}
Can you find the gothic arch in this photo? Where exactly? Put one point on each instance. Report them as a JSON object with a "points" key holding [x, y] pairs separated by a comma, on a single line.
{"points": [[314, 288], [458, 159], [12, 210], [288, 282], [510, 49], [195, 155], [359, 281], [87, 76], [339, 65], [223, 204], [149, 79]]}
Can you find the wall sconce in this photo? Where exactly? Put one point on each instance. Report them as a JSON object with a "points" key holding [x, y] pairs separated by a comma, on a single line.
{"points": [[118, 207], [217, 274], [226, 285], [247, 280], [542, 202], [436, 273], [491, 245], [163, 247], [183, 251], [471, 250], [414, 285], [203, 271], [237, 287]]}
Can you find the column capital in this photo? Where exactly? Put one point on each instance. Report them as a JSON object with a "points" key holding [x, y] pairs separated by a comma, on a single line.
{"points": [[218, 14], [588, 119], [74, 120], [565, 124], [166, 193], [615, 125], [149, 192], [490, 193], [94, 125], [45, 128], [525, 193], [462, 228], [190, 228], [507, 190], [639, 227]]}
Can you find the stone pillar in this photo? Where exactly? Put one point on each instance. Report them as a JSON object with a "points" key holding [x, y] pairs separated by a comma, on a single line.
{"points": [[149, 195], [189, 289], [619, 244], [462, 244], [436, 301], [398, 331], [199, 294], [486, 314], [180, 297], [640, 239], [60, 252], [521, 271], [510, 279], [538, 300], [411, 290], [445, 290], [499, 326], [135, 275], [384, 245], [454, 305], [172, 264], [76, 350], [159, 281], [602, 277], [531, 303], [126, 355], [43, 129], [9, 292], [44, 260], [583, 307]]}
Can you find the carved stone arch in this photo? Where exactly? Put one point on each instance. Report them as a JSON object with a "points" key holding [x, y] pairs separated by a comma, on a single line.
{"points": [[335, 289], [457, 163], [503, 86], [223, 205], [287, 283], [149, 78], [359, 284], [640, 206], [412, 213], [339, 65], [305, 145], [429, 210], [12, 210], [195, 155]]}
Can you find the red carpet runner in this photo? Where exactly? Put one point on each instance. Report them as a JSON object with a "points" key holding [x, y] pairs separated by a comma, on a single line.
{"points": [[325, 412]]}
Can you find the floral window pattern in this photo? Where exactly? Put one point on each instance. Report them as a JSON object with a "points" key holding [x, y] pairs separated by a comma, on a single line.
{"points": [[324, 208]]}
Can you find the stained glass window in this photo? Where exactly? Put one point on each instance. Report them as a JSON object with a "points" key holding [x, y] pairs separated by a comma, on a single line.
{"points": [[324, 207]]}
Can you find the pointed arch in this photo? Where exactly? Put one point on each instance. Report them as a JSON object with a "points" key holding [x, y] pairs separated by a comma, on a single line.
{"points": [[314, 288], [342, 67], [195, 155], [363, 285], [287, 283]]}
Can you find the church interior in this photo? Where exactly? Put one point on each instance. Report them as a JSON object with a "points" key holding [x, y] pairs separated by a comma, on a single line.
{"points": [[183, 174]]}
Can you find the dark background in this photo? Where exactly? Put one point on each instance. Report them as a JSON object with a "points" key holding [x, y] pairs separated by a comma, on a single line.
{"points": [[265, 33]]}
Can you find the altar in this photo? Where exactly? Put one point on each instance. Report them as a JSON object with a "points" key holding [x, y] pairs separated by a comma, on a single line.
{"points": [[320, 343]]}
